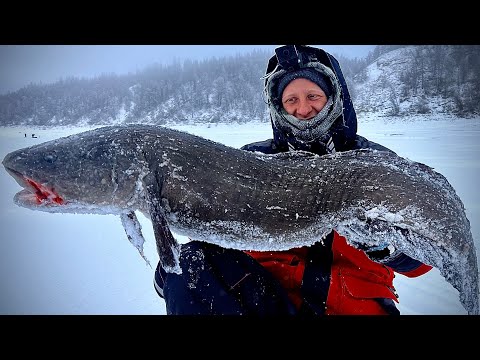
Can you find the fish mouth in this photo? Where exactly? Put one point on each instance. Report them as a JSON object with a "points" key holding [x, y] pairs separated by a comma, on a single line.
{"points": [[34, 193]]}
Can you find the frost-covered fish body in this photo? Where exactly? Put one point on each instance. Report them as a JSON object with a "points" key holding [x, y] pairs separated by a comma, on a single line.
{"points": [[244, 200]]}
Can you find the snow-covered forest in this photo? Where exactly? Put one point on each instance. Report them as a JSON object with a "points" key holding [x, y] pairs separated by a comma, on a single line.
{"points": [[390, 81]]}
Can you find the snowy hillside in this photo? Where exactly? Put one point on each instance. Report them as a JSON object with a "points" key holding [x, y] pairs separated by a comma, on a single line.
{"points": [[412, 80]]}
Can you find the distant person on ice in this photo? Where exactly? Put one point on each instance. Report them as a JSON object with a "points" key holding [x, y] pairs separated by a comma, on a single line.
{"points": [[310, 110]]}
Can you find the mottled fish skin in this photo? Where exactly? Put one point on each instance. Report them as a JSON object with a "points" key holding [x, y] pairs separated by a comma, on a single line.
{"points": [[243, 200]]}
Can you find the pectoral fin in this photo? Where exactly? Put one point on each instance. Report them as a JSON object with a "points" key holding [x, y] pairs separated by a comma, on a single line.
{"points": [[168, 248], [134, 232]]}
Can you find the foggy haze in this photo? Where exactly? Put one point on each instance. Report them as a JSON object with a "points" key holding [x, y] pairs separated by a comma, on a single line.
{"points": [[21, 65]]}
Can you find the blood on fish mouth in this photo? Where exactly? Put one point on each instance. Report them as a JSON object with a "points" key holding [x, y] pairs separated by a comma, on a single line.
{"points": [[42, 193]]}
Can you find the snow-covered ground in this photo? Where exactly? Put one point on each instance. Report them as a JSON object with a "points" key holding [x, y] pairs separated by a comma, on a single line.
{"points": [[84, 264]]}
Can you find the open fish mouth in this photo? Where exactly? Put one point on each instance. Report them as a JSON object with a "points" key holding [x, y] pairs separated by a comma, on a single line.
{"points": [[34, 193]]}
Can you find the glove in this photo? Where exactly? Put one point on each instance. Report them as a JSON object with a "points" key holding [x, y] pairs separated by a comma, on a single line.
{"points": [[381, 253]]}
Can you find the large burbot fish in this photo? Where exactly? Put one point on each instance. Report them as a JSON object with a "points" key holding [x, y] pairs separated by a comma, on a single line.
{"points": [[245, 200]]}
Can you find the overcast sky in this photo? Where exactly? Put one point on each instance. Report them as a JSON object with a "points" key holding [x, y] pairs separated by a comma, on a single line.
{"points": [[24, 64]]}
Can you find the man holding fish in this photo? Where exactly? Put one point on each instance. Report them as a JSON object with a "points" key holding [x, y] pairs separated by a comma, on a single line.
{"points": [[310, 111]]}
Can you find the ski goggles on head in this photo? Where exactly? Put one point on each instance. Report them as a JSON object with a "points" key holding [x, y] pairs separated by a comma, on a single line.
{"points": [[289, 58], [294, 57]]}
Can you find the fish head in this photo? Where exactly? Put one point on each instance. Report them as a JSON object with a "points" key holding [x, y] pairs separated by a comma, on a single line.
{"points": [[83, 171]]}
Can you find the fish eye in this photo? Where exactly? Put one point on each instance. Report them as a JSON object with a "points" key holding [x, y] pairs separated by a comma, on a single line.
{"points": [[50, 157]]}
